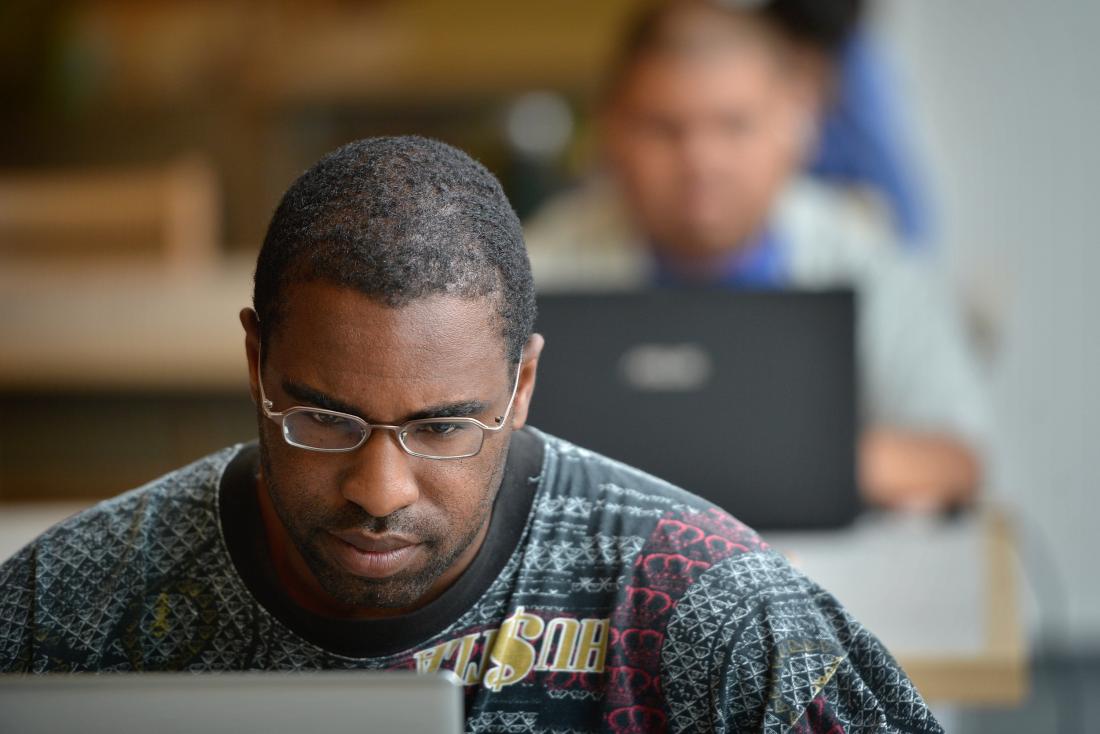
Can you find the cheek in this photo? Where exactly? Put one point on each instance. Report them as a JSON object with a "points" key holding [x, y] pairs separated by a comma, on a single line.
{"points": [[302, 478], [645, 161], [654, 193], [454, 489], [758, 171], [787, 136], [463, 490]]}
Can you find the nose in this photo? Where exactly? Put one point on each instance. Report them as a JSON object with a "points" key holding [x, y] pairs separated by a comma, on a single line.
{"points": [[697, 153], [380, 478]]}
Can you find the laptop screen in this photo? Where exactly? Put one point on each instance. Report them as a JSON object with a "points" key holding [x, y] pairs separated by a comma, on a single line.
{"points": [[745, 398]]}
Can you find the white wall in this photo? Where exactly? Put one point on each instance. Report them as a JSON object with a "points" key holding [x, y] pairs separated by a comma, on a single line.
{"points": [[1007, 104]]}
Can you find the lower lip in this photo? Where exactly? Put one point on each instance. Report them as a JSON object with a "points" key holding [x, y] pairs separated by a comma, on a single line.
{"points": [[373, 565]]}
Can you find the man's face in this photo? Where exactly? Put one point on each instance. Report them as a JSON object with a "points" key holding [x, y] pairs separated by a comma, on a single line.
{"points": [[703, 142], [376, 531]]}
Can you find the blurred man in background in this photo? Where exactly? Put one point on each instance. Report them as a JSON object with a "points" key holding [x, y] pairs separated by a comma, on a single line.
{"points": [[710, 115]]}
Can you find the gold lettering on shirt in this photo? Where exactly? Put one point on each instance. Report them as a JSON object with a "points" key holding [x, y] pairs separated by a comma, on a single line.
{"points": [[474, 671], [559, 639], [592, 647], [513, 653], [525, 642], [469, 673], [427, 661]]}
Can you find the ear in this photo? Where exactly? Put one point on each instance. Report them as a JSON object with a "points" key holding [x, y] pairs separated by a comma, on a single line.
{"points": [[527, 371], [251, 323]]}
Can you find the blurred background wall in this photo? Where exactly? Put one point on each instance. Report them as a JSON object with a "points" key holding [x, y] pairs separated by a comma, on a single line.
{"points": [[1005, 101], [1004, 109], [265, 88]]}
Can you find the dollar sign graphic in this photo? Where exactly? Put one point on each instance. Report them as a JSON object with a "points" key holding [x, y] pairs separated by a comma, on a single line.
{"points": [[513, 655]]}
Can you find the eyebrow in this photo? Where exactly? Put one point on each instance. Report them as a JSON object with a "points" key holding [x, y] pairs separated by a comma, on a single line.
{"points": [[309, 396]]}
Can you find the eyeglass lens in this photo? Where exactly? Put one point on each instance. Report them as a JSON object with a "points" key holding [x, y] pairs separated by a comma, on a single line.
{"points": [[322, 430], [442, 437]]}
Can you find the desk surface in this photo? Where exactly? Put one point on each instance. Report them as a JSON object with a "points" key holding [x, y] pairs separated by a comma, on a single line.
{"points": [[940, 594]]}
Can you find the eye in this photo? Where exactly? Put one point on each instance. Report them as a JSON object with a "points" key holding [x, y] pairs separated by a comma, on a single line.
{"points": [[439, 429], [658, 128], [327, 419]]}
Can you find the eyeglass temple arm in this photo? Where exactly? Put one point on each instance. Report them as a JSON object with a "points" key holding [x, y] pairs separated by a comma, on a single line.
{"points": [[265, 404], [515, 388]]}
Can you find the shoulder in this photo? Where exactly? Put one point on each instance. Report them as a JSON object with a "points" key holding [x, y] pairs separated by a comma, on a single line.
{"points": [[593, 206], [177, 507], [780, 650], [75, 581], [584, 237], [834, 235], [670, 530]]}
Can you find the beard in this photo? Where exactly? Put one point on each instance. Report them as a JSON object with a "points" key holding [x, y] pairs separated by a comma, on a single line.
{"points": [[308, 528]]}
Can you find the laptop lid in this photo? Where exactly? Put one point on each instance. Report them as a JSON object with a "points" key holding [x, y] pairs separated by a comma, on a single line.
{"points": [[230, 703], [747, 398]]}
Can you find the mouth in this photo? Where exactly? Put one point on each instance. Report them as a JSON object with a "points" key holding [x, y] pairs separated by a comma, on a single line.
{"points": [[373, 556]]}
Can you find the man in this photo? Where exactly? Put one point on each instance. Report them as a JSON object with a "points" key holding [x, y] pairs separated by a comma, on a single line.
{"points": [[709, 117], [396, 513]]}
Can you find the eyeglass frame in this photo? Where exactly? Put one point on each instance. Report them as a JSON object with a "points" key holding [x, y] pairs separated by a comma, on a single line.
{"points": [[280, 417]]}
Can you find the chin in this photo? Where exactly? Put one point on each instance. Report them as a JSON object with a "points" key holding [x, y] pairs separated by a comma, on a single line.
{"points": [[397, 592], [704, 245], [379, 596]]}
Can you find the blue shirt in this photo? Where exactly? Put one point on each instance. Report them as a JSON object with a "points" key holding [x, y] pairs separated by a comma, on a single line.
{"points": [[761, 264]]}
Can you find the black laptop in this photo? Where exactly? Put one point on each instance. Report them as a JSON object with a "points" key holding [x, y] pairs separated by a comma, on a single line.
{"points": [[747, 398]]}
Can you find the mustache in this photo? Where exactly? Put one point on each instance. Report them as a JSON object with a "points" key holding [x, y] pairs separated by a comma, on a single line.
{"points": [[351, 517]]}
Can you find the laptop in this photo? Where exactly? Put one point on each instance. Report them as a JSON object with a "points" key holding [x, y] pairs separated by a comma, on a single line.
{"points": [[746, 398], [230, 703]]}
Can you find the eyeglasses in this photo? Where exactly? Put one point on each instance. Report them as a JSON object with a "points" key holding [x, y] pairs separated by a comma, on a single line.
{"points": [[318, 429]]}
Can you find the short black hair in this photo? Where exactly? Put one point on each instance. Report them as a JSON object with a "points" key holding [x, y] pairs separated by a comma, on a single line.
{"points": [[826, 24], [822, 25], [398, 219]]}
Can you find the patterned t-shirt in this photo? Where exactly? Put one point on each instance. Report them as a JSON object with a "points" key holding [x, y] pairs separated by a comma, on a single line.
{"points": [[603, 599]]}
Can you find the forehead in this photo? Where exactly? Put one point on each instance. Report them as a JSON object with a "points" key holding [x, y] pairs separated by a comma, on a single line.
{"points": [[726, 72], [329, 328]]}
